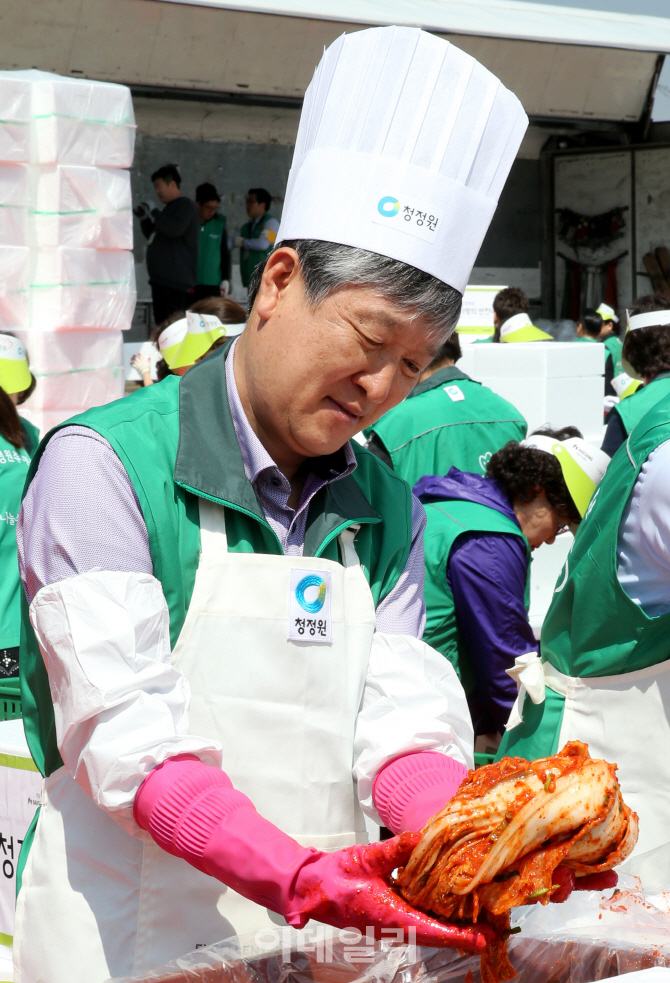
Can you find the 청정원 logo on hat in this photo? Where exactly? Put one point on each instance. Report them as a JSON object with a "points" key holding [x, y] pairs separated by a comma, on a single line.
{"points": [[388, 206], [310, 582]]}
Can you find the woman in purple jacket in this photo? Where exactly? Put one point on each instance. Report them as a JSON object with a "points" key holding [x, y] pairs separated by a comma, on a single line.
{"points": [[478, 540]]}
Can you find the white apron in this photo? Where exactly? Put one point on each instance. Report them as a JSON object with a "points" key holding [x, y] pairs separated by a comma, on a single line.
{"points": [[624, 719], [98, 902]]}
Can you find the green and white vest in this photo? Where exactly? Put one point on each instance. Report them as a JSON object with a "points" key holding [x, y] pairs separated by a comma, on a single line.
{"points": [[448, 421]]}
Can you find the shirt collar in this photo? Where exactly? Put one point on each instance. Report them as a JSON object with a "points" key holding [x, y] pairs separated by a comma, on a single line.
{"points": [[256, 459]]}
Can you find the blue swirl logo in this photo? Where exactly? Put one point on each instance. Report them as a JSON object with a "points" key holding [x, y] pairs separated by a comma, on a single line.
{"points": [[388, 207], [311, 580]]}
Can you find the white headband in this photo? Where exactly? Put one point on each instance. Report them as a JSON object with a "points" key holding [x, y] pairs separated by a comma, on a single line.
{"points": [[514, 323], [540, 442], [607, 313], [650, 320]]}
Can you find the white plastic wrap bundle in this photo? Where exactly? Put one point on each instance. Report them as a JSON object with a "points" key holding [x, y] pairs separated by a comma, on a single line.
{"points": [[67, 279]]}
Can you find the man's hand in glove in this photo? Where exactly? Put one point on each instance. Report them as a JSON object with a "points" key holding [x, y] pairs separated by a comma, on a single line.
{"points": [[350, 889], [193, 812], [142, 210], [565, 878]]}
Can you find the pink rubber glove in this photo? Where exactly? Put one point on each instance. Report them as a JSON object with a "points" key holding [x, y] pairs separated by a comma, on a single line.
{"points": [[409, 790], [193, 812]]}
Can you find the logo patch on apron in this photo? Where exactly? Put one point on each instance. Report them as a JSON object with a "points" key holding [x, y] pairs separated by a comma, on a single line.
{"points": [[309, 606]]}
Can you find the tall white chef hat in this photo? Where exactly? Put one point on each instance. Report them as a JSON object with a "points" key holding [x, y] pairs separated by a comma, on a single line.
{"points": [[404, 145]]}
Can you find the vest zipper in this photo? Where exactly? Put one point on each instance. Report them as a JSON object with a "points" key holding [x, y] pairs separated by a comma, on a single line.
{"points": [[338, 529]]}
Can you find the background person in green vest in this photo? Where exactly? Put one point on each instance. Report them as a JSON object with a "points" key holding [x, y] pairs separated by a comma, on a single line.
{"points": [[213, 273], [510, 318], [18, 442], [224, 672], [588, 330], [478, 541], [605, 674], [646, 356], [609, 335], [448, 420], [258, 235]]}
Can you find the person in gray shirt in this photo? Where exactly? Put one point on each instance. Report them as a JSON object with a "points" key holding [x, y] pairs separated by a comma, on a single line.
{"points": [[172, 253]]}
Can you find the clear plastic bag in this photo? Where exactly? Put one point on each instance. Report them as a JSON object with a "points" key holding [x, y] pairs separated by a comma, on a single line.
{"points": [[297, 959], [592, 936]]}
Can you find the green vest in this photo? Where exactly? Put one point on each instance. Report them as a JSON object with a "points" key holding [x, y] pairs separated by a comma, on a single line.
{"points": [[209, 251], [448, 421], [14, 463], [250, 258], [614, 345], [586, 338], [32, 434], [447, 522], [177, 443], [593, 628], [638, 404]]}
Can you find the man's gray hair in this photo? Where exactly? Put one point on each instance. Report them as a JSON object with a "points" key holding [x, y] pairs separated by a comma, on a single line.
{"points": [[328, 266]]}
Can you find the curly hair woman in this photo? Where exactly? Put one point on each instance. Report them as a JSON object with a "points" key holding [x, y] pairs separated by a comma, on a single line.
{"points": [[478, 541]]}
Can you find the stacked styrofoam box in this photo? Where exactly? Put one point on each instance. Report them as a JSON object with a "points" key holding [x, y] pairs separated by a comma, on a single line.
{"points": [[67, 281], [549, 382]]}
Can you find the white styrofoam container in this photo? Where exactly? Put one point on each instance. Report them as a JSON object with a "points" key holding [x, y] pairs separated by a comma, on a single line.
{"points": [[76, 390], [550, 383], [15, 115], [546, 565], [63, 351], [79, 121], [48, 118], [81, 288], [14, 295], [60, 139], [13, 204], [548, 359], [81, 207]]}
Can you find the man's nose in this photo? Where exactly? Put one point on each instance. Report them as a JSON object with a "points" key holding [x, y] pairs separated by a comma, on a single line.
{"points": [[377, 384]]}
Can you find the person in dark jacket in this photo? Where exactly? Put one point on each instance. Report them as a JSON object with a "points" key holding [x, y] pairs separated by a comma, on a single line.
{"points": [[172, 253], [477, 544]]}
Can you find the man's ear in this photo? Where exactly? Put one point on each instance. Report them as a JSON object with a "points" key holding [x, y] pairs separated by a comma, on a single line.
{"points": [[282, 271]]}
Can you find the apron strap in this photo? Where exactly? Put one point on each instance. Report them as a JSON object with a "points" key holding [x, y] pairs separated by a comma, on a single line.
{"points": [[213, 533], [212, 527], [347, 548]]}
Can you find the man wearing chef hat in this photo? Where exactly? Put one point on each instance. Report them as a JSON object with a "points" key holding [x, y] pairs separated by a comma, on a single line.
{"points": [[223, 672]]}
